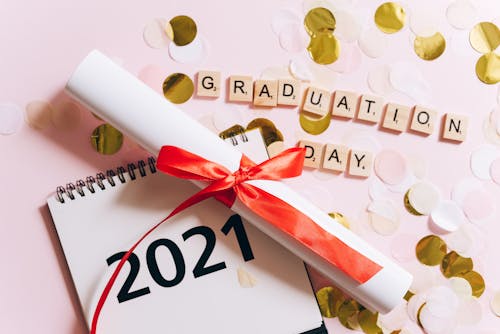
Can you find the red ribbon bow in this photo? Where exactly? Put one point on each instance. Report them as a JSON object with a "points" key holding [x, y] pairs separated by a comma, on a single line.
{"points": [[227, 186]]}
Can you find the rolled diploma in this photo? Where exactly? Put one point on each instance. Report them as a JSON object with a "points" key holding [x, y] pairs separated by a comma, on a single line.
{"points": [[135, 109]]}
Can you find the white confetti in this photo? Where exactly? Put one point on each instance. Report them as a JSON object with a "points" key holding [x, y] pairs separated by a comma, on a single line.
{"points": [[495, 303], [378, 80], [154, 34], [461, 287], [481, 160], [470, 312], [282, 18], [461, 14], [448, 216], [463, 187], [407, 78], [245, 279], [11, 117], [223, 119], [191, 53], [377, 189], [299, 68], [424, 197], [373, 43], [293, 38], [424, 21], [347, 27]]}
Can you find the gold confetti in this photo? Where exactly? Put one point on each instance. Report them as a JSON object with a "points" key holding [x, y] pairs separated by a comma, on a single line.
{"points": [[329, 300], [182, 30], [390, 17], [431, 250], [105, 139], [418, 314], [319, 20], [488, 68], [269, 131], [232, 131], [368, 322], [314, 124], [340, 218], [408, 295], [408, 205], [484, 37], [476, 281], [453, 264], [324, 48], [178, 88], [348, 314], [429, 48]]}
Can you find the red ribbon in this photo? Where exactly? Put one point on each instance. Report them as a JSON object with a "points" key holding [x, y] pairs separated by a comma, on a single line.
{"points": [[227, 186]]}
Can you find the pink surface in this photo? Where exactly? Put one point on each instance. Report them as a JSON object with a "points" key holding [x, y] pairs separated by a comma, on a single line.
{"points": [[42, 42]]}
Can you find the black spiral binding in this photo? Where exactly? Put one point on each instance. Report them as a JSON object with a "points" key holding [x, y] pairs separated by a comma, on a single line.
{"points": [[234, 134], [72, 189]]}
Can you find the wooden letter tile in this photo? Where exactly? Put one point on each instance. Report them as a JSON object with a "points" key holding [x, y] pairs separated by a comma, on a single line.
{"points": [[240, 88], [265, 93], [345, 104], [335, 157], [396, 117], [455, 127], [208, 84], [289, 93], [317, 101], [360, 163], [314, 153], [370, 108], [423, 120]]}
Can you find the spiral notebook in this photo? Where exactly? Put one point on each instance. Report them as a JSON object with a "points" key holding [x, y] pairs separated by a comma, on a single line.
{"points": [[204, 271]]}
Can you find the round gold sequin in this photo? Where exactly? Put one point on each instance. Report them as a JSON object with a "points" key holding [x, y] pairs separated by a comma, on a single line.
{"points": [[429, 48], [340, 218], [313, 124], [431, 250], [409, 207], [178, 88], [488, 68], [418, 314], [319, 20], [476, 281], [390, 17], [269, 131], [183, 30], [348, 314], [106, 139], [368, 322], [324, 48], [453, 264], [329, 300], [484, 37]]}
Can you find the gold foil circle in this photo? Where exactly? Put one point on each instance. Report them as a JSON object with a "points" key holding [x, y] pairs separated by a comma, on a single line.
{"points": [[418, 314], [340, 218], [178, 88], [484, 37], [408, 205], [319, 20], [329, 300], [453, 264], [348, 314], [368, 322], [183, 30], [431, 250], [105, 139], [488, 68], [313, 124], [324, 48], [232, 131], [429, 48], [269, 131], [408, 295], [390, 17], [476, 281]]}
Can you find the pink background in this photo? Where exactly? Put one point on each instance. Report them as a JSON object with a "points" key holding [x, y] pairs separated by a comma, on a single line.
{"points": [[42, 42]]}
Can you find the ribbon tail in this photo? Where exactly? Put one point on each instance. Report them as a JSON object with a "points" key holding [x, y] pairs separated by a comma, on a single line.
{"points": [[303, 229]]}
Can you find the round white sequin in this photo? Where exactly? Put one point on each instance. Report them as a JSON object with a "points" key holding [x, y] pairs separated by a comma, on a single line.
{"points": [[424, 21], [495, 171], [495, 303], [224, 119], [478, 206], [407, 78], [448, 216], [481, 160], [461, 287], [283, 18], [293, 38], [11, 117], [299, 69], [348, 27], [154, 34], [461, 14], [191, 53], [469, 312], [463, 187], [384, 217], [390, 167], [373, 43], [38, 114], [378, 80], [424, 197], [377, 189]]}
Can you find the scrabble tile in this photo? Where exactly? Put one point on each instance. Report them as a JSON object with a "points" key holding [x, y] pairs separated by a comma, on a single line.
{"points": [[265, 93], [345, 104], [314, 153], [360, 163], [208, 84], [335, 157], [317, 101], [289, 92], [396, 117], [455, 127], [370, 108], [240, 88], [423, 120]]}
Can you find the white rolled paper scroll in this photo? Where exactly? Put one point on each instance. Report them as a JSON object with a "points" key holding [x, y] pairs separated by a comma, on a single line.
{"points": [[139, 112]]}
